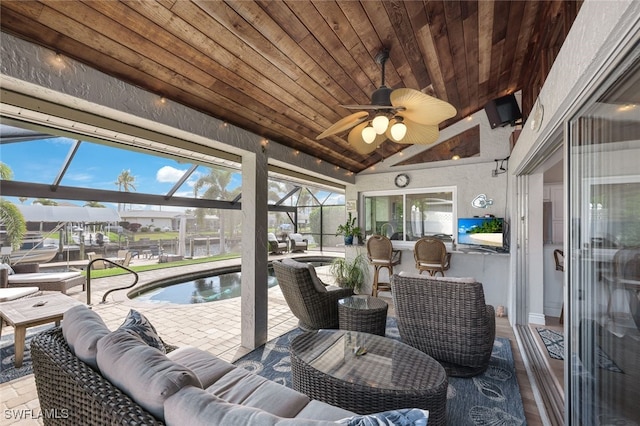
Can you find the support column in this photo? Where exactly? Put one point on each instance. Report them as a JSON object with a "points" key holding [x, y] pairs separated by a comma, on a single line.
{"points": [[254, 301]]}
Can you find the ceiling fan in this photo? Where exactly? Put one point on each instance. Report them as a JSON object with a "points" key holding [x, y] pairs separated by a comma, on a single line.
{"points": [[404, 116]]}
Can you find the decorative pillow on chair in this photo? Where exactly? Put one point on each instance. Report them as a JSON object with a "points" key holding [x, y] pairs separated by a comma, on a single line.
{"points": [[138, 325], [403, 417]]}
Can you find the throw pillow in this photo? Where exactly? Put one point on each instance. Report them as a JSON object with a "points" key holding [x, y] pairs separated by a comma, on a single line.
{"points": [[137, 324], [317, 282], [403, 417]]}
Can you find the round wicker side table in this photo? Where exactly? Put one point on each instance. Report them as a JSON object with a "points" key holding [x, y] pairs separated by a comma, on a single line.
{"points": [[363, 313]]}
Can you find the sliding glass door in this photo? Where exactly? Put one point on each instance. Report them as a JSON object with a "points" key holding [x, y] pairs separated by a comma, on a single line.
{"points": [[603, 344]]}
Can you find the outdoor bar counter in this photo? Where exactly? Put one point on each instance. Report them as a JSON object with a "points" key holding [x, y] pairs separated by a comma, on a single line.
{"points": [[488, 267]]}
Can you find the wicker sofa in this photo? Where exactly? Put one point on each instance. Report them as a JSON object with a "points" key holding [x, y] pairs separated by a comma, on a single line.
{"points": [[447, 318], [86, 374]]}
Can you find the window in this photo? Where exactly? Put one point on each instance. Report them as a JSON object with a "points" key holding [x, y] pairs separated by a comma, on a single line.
{"points": [[409, 216]]}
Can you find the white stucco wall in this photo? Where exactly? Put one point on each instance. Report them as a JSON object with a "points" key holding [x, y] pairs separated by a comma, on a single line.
{"points": [[470, 176]]}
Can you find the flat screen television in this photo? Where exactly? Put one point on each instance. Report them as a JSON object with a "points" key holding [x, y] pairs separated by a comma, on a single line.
{"points": [[481, 231]]}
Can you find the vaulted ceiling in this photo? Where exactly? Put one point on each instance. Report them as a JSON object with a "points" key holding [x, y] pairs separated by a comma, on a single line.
{"points": [[282, 69]]}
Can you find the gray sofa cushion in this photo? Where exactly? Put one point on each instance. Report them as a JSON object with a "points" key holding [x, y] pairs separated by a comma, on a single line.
{"points": [[142, 372], [206, 366], [194, 407], [82, 328], [243, 387]]}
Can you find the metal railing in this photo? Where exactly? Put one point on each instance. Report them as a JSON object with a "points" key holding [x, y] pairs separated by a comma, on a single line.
{"points": [[104, 298]]}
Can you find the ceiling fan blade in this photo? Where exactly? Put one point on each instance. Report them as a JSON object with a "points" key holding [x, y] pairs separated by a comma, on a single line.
{"points": [[369, 107], [421, 108], [417, 134], [344, 124], [359, 145]]}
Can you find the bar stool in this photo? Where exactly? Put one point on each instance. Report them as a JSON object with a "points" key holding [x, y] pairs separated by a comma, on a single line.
{"points": [[431, 256], [381, 254]]}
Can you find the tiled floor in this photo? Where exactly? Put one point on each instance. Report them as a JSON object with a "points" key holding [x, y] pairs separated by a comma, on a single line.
{"points": [[214, 327]]}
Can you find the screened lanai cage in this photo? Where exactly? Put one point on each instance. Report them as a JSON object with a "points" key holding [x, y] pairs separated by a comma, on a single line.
{"points": [[166, 200]]}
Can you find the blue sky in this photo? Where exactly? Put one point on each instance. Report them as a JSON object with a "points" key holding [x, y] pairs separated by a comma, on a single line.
{"points": [[97, 166]]}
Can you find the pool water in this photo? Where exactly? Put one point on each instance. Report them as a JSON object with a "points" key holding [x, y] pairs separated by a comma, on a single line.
{"points": [[200, 290], [211, 286]]}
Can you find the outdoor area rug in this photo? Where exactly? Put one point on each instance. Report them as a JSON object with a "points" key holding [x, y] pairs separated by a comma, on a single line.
{"points": [[554, 342], [491, 398], [7, 355]]}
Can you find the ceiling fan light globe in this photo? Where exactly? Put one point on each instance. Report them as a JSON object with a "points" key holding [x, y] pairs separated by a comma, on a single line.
{"points": [[380, 124], [398, 131], [369, 134]]}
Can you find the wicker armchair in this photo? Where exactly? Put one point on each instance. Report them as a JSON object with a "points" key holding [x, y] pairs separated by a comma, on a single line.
{"points": [[447, 319], [276, 246], [313, 308], [298, 243]]}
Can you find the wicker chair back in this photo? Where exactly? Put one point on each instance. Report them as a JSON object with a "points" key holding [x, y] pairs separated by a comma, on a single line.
{"points": [[431, 255], [314, 309], [379, 249], [447, 319]]}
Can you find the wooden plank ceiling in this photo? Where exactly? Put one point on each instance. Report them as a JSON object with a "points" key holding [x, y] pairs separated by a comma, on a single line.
{"points": [[282, 69]]}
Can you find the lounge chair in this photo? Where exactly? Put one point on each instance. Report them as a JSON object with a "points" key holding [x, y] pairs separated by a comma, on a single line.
{"points": [[276, 246], [298, 243], [29, 275], [100, 264]]}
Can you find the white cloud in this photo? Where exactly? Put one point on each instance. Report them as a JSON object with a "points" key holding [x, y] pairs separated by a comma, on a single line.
{"points": [[169, 174]]}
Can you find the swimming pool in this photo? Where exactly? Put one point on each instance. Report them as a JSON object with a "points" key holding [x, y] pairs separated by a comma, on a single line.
{"points": [[204, 286]]}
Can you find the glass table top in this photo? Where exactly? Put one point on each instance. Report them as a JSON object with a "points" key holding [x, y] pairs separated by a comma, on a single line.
{"points": [[363, 302], [384, 363]]}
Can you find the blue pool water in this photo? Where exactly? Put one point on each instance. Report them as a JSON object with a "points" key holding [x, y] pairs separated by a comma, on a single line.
{"points": [[207, 286]]}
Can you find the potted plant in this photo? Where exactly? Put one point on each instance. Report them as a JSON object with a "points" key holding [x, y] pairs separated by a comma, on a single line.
{"points": [[350, 273], [349, 230]]}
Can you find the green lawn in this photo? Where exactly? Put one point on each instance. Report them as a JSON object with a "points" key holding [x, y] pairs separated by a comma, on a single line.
{"points": [[102, 273]]}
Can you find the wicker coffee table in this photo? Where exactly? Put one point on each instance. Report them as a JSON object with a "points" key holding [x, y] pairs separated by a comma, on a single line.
{"points": [[391, 375], [363, 313], [33, 311]]}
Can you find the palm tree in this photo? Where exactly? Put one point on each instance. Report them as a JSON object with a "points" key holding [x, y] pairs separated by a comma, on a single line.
{"points": [[215, 184], [45, 202], [125, 182], [10, 216], [5, 172]]}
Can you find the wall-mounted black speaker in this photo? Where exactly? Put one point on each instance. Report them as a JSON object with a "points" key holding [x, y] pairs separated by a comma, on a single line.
{"points": [[503, 111]]}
